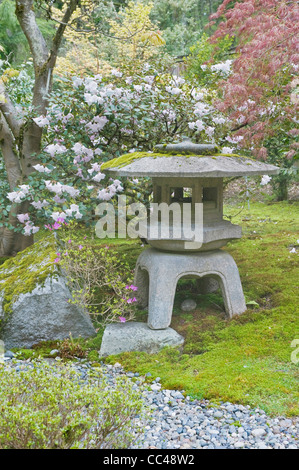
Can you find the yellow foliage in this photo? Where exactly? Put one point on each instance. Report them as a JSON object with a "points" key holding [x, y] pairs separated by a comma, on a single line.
{"points": [[136, 36], [79, 60], [8, 74], [154, 37], [81, 54]]}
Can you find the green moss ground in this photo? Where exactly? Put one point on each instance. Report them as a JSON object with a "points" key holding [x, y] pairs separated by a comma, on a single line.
{"points": [[246, 359]]}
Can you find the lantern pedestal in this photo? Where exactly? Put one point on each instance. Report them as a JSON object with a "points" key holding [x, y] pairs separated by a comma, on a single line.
{"points": [[157, 274]]}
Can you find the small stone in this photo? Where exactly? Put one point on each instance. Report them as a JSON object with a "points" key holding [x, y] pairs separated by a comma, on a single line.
{"points": [[9, 354], [239, 444], [218, 414], [286, 423], [230, 408], [177, 395], [188, 305], [258, 432], [54, 352], [155, 387], [261, 445]]}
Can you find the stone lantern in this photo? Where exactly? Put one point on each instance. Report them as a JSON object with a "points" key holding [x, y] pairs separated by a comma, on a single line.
{"points": [[187, 174]]}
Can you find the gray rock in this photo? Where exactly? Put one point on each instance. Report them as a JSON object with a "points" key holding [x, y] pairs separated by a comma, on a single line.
{"points": [[188, 305], [137, 336], [45, 314]]}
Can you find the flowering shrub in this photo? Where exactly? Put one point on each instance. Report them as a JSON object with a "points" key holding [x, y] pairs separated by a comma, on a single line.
{"points": [[98, 279], [47, 407], [98, 119]]}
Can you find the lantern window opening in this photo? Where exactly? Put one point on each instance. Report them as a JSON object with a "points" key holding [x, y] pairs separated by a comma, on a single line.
{"points": [[210, 197], [180, 194]]}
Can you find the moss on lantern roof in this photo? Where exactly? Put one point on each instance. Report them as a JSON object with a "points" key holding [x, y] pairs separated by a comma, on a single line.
{"points": [[128, 158]]}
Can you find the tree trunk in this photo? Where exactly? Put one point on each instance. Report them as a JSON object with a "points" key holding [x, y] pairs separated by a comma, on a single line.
{"points": [[20, 139], [281, 188], [18, 166]]}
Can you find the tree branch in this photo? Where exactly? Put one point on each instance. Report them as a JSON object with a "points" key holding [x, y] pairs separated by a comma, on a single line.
{"points": [[9, 112], [11, 161], [26, 17], [72, 6]]}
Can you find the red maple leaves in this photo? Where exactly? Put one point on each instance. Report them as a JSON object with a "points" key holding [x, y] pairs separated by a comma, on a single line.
{"points": [[260, 94]]}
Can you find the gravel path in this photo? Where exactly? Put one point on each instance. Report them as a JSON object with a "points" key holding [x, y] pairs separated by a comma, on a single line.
{"points": [[178, 422]]}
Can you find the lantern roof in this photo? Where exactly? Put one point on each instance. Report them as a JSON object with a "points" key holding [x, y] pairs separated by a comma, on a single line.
{"points": [[186, 159]]}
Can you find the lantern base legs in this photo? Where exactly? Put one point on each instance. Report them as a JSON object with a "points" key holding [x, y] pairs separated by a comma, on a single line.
{"points": [[157, 274]]}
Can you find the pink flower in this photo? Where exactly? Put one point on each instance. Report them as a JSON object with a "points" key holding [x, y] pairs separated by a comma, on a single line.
{"points": [[69, 241], [132, 287], [80, 247], [122, 319], [56, 260]]}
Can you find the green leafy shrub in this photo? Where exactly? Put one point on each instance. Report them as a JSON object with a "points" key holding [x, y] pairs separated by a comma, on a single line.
{"points": [[99, 279], [47, 407]]}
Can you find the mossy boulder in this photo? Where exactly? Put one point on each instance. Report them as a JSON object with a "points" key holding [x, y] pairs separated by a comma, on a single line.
{"points": [[34, 299]]}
